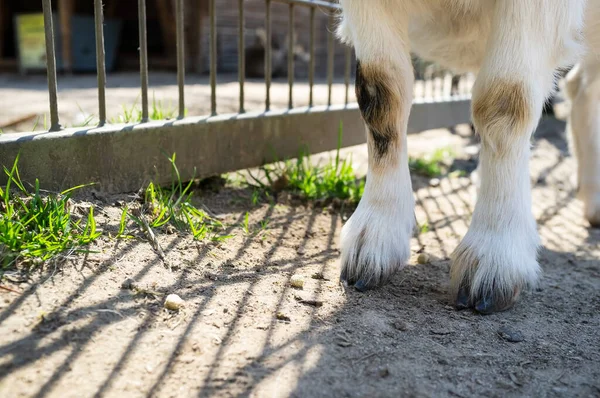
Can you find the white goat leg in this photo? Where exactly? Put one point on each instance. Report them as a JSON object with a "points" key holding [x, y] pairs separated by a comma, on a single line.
{"points": [[583, 89], [376, 239], [497, 257]]}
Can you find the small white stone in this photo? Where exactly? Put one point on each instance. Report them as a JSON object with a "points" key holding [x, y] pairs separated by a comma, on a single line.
{"points": [[297, 281], [173, 302]]}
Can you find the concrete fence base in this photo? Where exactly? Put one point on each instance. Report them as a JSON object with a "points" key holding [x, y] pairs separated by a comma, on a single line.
{"points": [[125, 158]]}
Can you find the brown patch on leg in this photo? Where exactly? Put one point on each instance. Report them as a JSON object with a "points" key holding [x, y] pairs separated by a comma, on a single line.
{"points": [[379, 99], [501, 114]]}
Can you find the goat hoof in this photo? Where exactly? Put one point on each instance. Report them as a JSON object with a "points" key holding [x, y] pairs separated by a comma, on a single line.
{"points": [[362, 286], [462, 299], [489, 304], [485, 305]]}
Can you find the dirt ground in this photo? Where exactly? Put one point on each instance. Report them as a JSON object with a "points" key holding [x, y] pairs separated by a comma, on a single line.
{"points": [[77, 330]]}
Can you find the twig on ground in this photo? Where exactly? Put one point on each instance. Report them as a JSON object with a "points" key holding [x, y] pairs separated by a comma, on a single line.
{"points": [[8, 289], [152, 239]]}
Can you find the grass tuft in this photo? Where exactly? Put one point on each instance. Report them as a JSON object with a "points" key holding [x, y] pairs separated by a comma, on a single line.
{"points": [[335, 180], [434, 164], [173, 206], [158, 111], [35, 226]]}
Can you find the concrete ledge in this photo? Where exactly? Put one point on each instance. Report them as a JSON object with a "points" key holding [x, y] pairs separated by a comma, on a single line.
{"points": [[126, 157]]}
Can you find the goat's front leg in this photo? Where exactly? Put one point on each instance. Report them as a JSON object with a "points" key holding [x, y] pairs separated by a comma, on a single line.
{"points": [[497, 258], [376, 239]]}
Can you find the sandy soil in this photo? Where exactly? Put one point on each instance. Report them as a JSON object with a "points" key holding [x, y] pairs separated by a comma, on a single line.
{"points": [[75, 331]]}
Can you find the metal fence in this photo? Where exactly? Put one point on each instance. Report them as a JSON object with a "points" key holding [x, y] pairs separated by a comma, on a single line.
{"points": [[123, 158]]}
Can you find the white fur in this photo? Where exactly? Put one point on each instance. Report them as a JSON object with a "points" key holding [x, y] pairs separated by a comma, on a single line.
{"points": [[376, 239], [504, 41], [385, 216], [583, 89]]}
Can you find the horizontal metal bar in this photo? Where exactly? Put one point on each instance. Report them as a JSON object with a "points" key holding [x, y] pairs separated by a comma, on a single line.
{"points": [[210, 145], [312, 4], [426, 115]]}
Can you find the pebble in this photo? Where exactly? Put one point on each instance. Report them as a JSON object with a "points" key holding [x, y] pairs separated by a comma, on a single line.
{"points": [[318, 276], [283, 317], [297, 281], [510, 335], [170, 229], [423, 258], [173, 302], [128, 284], [401, 325], [434, 182]]}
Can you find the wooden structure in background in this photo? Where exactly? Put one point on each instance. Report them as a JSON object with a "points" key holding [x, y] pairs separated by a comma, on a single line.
{"points": [[196, 30]]}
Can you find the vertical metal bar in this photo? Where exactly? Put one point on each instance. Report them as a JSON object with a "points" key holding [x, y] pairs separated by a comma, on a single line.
{"points": [[268, 55], [330, 59], [213, 57], [143, 57], [311, 66], [180, 57], [241, 53], [291, 41], [347, 73], [51, 65], [100, 63]]}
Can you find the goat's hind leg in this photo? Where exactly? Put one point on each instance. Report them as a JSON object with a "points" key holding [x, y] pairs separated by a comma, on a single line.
{"points": [[376, 239], [583, 89]]}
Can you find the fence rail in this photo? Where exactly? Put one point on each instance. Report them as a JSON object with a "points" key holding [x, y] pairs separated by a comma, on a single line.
{"points": [[122, 158]]}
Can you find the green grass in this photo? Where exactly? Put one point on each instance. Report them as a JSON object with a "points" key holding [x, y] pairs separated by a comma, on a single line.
{"points": [[260, 229], [245, 224], [158, 111], [173, 206], [434, 164], [334, 180], [37, 122], [39, 227]]}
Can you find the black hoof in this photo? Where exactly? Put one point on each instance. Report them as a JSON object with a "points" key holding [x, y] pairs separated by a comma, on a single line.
{"points": [[361, 286], [485, 305], [462, 299]]}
